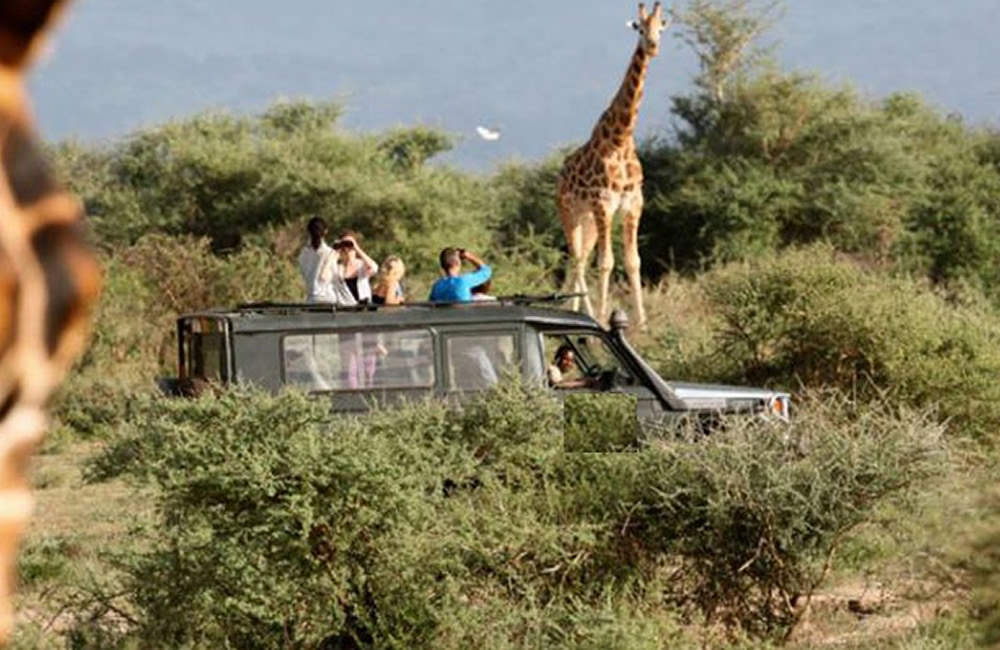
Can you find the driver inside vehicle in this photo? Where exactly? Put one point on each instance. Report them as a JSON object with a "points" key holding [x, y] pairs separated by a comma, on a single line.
{"points": [[563, 363]]}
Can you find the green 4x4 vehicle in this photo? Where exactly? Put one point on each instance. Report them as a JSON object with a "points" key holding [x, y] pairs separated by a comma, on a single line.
{"points": [[377, 356]]}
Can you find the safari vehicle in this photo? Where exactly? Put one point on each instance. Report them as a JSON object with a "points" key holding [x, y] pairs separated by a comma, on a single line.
{"points": [[368, 356]]}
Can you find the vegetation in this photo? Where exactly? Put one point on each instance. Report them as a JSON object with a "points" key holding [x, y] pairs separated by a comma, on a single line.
{"points": [[279, 525], [795, 235], [805, 318]]}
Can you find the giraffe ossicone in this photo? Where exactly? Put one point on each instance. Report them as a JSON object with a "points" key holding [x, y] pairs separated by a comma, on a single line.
{"points": [[604, 178]]}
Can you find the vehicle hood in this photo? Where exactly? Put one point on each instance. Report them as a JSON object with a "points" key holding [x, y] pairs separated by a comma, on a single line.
{"points": [[717, 396]]}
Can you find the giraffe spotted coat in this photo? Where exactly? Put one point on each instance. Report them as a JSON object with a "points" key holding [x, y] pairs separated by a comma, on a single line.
{"points": [[604, 178], [48, 280]]}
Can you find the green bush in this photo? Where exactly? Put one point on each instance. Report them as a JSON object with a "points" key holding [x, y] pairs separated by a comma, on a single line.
{"points": [[318, 527], [600, 422], [807, 318], [43, 561], [753, 517], [783, 160], [92, 405], [283, 525], [526, 221]]}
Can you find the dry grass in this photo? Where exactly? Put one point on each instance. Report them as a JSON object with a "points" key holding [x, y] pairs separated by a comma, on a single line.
{"points": [[904, 585], [675, 306], [74, 525], [64, 501]]}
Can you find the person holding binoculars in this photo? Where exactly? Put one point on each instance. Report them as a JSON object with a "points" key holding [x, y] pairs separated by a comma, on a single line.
{"points": [[456, 286]]}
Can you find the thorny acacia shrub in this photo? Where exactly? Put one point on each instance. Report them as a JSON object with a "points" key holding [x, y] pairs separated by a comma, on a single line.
{"points": [[282, 525], [751, 518]]}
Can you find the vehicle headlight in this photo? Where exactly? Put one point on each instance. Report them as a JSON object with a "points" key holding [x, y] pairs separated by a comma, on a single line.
{"points": [[779, 407]]}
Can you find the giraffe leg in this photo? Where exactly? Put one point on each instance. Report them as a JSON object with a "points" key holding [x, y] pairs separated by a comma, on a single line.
{"points": [[589, 241], [605, 259], [576, 263], [580, 238], [630, 238]]}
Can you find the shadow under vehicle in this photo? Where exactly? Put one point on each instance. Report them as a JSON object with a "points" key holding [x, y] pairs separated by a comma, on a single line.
{"points": [[370, 356]]}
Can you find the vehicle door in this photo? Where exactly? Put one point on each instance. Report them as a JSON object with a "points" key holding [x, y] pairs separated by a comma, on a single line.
{"points": [[597, 368]]}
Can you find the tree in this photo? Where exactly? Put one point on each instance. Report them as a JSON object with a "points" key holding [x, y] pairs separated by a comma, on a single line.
{"points": [[722, 34]]}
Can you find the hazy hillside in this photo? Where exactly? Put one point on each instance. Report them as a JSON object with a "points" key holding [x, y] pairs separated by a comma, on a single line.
{"points": [[541, 71]]}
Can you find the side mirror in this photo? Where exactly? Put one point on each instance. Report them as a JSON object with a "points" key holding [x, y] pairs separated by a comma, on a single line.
{"points": [[619, 320], [619, 323]]}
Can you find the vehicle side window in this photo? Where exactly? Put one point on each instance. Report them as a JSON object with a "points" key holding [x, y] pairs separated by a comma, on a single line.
{"points": [[336, 361], [478, 361]]}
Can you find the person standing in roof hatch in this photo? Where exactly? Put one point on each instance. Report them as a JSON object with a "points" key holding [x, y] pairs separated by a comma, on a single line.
{"points": [[456, 286], [317, 264], [389, 288], [355, 266]]}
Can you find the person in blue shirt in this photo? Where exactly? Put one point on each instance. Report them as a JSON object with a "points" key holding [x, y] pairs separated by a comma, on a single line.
{"points": [[456, 286]]}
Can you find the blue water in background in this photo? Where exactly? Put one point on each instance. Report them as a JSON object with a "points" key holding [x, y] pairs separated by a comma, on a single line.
{"points": [[540, 70]]}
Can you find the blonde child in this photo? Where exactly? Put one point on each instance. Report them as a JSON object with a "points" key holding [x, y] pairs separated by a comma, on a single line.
{"points": [[389, 289]]}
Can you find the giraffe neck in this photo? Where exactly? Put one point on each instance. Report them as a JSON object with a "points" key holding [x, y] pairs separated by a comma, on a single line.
{"points": [[618, 121]]}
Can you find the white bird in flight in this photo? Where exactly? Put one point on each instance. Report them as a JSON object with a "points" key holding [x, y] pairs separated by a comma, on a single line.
{"points": [[488, 134]]}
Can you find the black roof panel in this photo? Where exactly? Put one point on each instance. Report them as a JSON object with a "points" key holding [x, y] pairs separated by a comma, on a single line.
{"points": [[296, 316]]}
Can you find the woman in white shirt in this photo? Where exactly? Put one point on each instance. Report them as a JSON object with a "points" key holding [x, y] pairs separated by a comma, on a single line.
{"points": [[354, 269], [354, 266], [319, 268]]}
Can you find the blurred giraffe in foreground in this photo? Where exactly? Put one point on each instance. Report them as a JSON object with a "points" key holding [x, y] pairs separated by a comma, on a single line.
{"points": [[48, 280]]}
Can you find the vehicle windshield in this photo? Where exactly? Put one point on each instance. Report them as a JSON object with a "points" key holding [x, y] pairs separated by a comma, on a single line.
{"points": [[592, 356], [203, 348]]}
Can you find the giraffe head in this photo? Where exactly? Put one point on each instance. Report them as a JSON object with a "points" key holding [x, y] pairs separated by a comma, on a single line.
{"points": [[650, 26]]}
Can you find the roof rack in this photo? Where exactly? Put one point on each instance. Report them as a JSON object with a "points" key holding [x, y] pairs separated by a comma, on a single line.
{"points": [[528, 299], [518, 299], [288, 306]]}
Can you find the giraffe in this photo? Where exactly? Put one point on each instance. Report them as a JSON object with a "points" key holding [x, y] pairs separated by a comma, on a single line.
{"points": [[48, 280], [604, 177]]}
